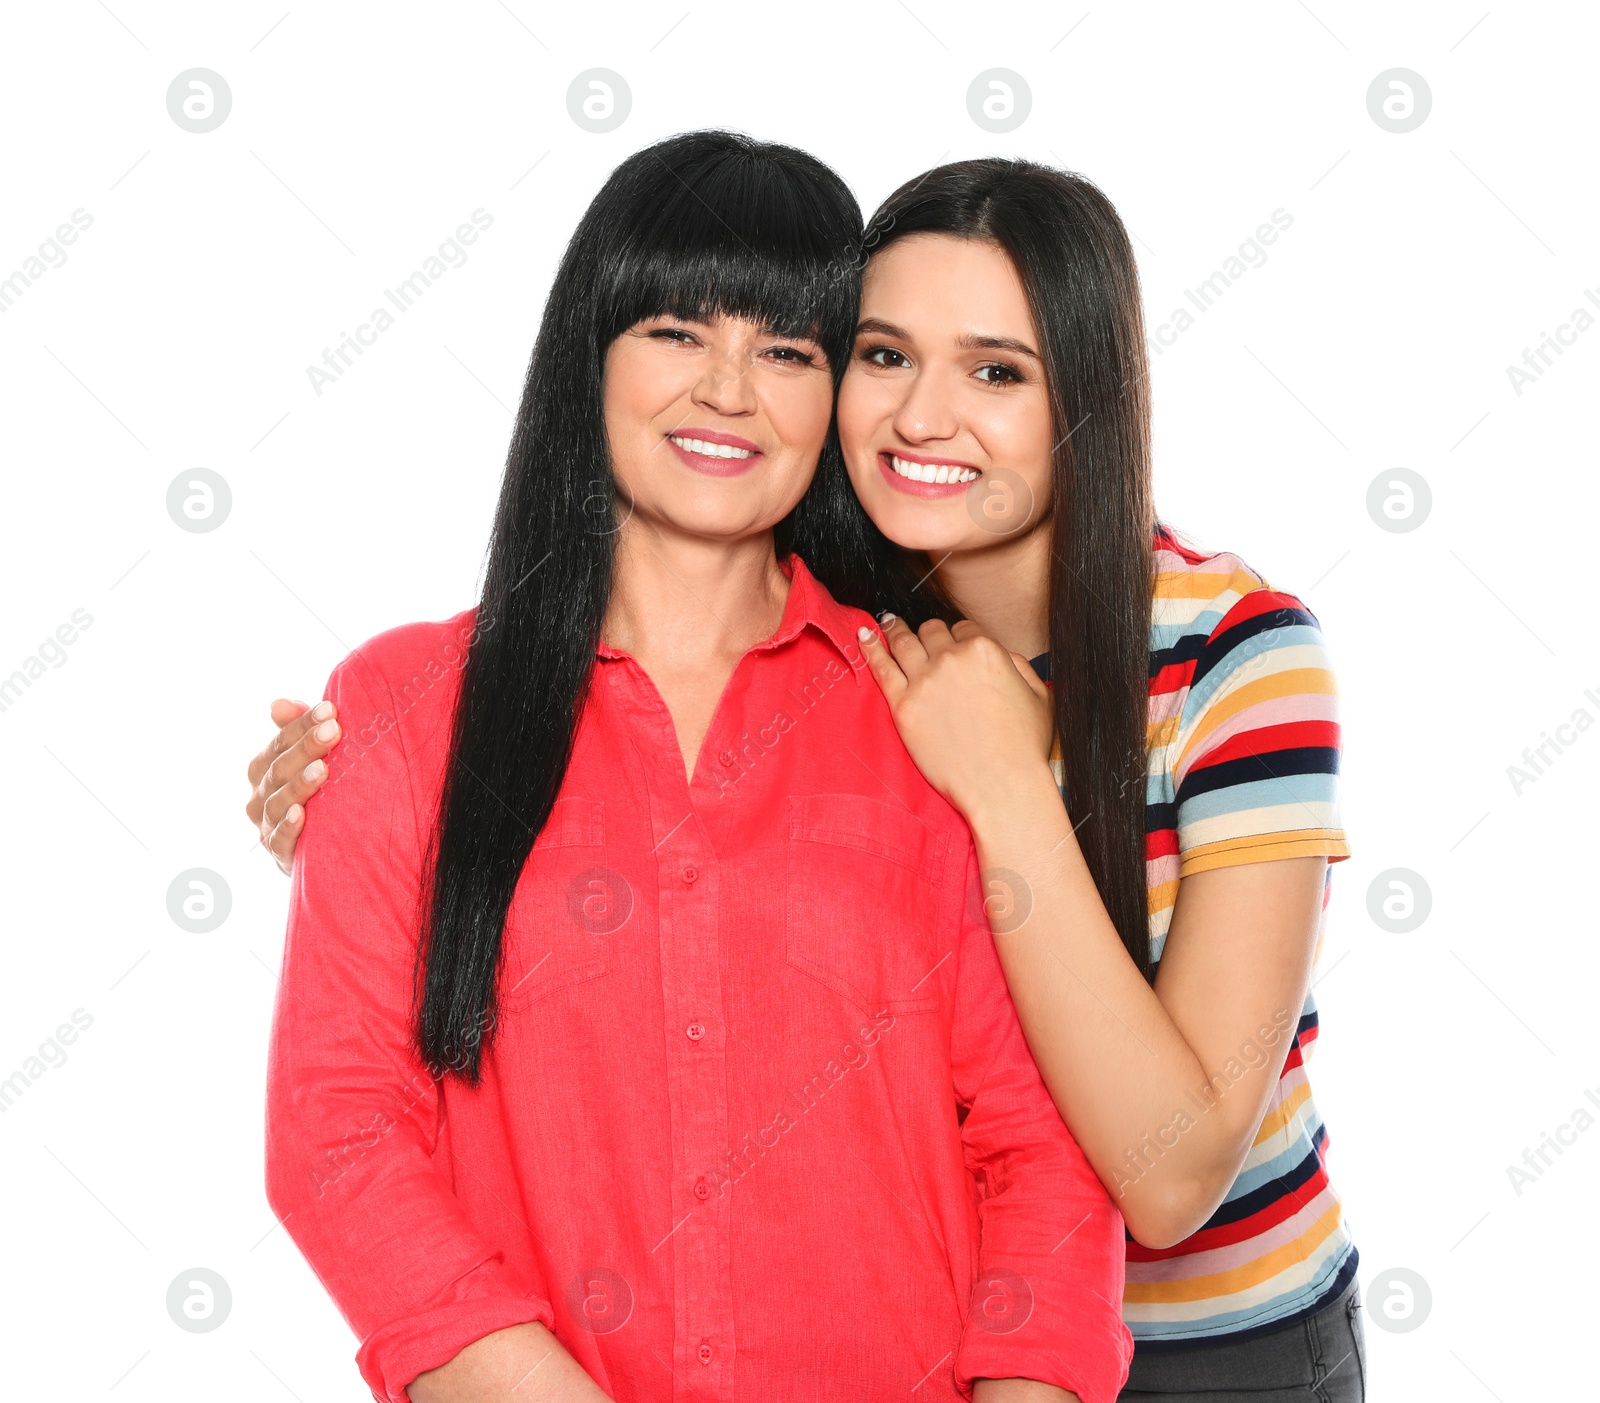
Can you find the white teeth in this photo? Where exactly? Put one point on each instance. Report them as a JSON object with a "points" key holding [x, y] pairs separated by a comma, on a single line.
{"points": [[929, 472], [709, 450]]}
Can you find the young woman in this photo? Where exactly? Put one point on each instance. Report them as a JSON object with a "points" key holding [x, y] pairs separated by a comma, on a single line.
{"points": [[1159, 927], [593, 1072]]}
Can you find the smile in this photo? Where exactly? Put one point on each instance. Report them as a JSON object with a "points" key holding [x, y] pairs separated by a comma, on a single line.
{"points": [[713, 453], [932, 472], [710, 450], [922, 478]]}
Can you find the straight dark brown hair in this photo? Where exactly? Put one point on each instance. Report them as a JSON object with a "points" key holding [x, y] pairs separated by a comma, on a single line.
{"points": [[1071, 252], [697, 225]]}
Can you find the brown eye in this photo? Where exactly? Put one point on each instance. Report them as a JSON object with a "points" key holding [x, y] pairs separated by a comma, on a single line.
{"points": [[887, 357], [998, 373]]}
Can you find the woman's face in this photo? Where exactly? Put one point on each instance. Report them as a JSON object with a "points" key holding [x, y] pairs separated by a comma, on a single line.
{"points": [[946, 383], [714, 427]]}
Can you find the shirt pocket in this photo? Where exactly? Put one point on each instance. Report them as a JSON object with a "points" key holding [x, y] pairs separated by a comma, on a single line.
{"points": [[567, 903], [863, 914]]}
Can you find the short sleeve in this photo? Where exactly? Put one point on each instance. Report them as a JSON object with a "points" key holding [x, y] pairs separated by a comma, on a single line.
{"points": [[1256, 768]]}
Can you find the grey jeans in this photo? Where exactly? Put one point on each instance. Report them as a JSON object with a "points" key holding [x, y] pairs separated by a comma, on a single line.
{"points": [[1322, 1359]]}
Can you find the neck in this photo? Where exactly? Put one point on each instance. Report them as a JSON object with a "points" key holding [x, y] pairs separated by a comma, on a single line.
{"points": [[1005, 589], [679, 599]]}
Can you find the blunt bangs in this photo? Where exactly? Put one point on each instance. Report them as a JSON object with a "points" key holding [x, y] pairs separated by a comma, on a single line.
{"points": [[735, 228]]}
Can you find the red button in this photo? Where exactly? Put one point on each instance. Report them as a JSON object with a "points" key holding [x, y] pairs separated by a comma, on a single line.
{"points": [[696, 1031], [689, 874], [702, 1190], [705, 1354]]}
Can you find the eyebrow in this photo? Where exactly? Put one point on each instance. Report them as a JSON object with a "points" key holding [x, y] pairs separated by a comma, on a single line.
{"points": [[874, 326], [973, 342]]}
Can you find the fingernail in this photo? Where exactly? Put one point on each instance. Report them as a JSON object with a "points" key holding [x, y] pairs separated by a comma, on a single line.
{"points": [[327, 731], [322, 711], [313, 772], [293, 816], [886, 618], [864, 634]]}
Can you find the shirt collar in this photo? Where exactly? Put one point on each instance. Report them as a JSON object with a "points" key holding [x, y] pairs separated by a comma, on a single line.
{"points": [[809, 606]]}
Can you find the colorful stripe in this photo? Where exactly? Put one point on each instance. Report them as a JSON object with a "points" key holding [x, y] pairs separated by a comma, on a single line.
{"points": [[1243, 739]]}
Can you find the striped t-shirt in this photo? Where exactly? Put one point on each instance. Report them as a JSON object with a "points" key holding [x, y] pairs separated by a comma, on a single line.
{"points": [[1243, 767]]}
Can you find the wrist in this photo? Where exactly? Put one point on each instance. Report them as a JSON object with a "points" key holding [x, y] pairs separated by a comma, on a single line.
{"points": [[1026, 794]]}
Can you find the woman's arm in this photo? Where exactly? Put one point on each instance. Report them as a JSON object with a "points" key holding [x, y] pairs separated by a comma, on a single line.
{"points": [[525, 1364], [355, 1167], [1019, 1391], [1165, 1087], [1046, 1306]]}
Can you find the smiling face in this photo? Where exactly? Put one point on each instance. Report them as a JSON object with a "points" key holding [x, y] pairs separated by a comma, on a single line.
{"points": [[714, 427], [944, 415]]}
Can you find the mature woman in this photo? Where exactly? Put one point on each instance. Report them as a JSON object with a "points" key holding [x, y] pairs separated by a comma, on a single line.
{"points": [[1158, 928], [592, 1073]]}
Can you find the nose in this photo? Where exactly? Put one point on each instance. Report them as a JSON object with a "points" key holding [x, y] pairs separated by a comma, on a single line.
{"points": [[725, 386], [924, 416]]}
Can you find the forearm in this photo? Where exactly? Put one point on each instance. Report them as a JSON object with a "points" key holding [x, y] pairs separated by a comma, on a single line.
{"points": [[1120, 1068], [525, 1364], [1019, 1391]]}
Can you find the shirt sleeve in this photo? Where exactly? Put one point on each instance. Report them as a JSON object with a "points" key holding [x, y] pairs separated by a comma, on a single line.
{"points": [[1047, 1302], [1256, 772], [354, 1164]]}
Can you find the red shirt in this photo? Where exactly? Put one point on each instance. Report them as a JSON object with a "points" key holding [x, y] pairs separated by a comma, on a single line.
{"points": [[758, 1121]]}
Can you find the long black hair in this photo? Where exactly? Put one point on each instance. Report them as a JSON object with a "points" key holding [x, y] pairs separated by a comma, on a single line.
{"points": [[701, 224], [1076, 264]]}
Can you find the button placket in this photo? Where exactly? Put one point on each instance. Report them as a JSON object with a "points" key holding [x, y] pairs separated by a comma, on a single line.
{"points": [[700, 1239], [692, 985]]}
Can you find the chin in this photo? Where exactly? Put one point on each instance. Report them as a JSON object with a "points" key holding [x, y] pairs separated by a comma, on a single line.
{"points": [[936, 530], [723, 521]]}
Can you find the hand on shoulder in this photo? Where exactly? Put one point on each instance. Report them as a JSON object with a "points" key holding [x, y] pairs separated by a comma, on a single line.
{"points": [[975, 717]]}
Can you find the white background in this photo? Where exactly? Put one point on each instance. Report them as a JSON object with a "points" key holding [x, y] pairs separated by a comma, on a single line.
{"points": [[218, 266]]}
